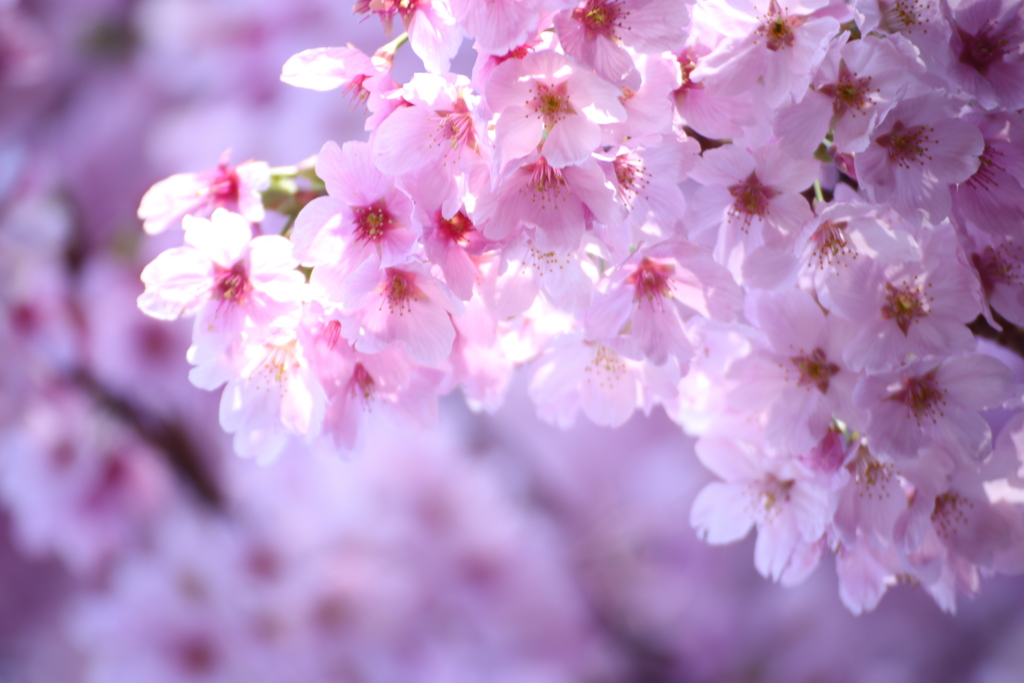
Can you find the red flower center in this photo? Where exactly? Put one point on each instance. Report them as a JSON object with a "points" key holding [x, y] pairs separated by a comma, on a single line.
{"points": [[815, 370], [904, 304], [231, 285], [372, 222], [922, 396]]}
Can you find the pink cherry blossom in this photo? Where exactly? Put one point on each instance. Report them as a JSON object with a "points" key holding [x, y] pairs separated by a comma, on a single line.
{"points": [[442, 123], [993, 198], [596, 32], [785, 501], [357, 384], [798, 379], [984, 45], [647, 176], [853, 89], [236, 188], [400, 305], [914, 308], [224, 276], [650, 293], [748, 198], [273, 396], [363, 215], [575, 374], [558, 202], [529, 269], [545, 101], [779, 44], [917, 152], [951, 532], [927, 404], [870, 504]]}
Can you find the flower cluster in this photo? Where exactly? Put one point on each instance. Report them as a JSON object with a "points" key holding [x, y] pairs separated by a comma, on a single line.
{"points": [[788, 223]]}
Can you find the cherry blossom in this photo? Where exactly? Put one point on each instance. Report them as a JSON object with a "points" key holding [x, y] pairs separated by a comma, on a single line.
{"points": [[794, 226], [225, 277], [928, 404], [785, 501], [918, 151], [235, 188], [596, 32], [544, 101]]}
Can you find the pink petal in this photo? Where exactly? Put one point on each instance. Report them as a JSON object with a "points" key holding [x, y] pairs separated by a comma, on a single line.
{"points": [[517, 133], [177, 282], [801, 127], [571, 141], [405, 129], [319, 233], [223, 238], [720, 513]]}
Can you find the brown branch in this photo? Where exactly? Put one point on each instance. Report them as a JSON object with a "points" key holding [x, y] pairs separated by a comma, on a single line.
{"points": [[169, 438], [1010, 337]]}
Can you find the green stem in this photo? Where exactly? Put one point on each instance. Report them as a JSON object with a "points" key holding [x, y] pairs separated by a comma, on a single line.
{"points": [[388, 51]]}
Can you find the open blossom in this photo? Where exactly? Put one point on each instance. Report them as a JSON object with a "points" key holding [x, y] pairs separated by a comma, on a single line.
{"points": [[951, 532], [442, 123], [993, 198], [853, 89], [225, 276], [652, 291], [917, 152], [558, 202], [363, 215], [596, 32], [870, 501], [357, 384], [914, 308], [779, 43], [647, 176], [603, 379], [271, 393], [785, 500], [528, 269], [403, 305], [545, 100], [749, 198], [798, 378], [842, 233], [927, 404], [985, 50], [235, 188]]}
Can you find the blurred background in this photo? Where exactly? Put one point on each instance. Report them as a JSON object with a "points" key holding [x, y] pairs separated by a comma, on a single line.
{"points": [[135, 547]]}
